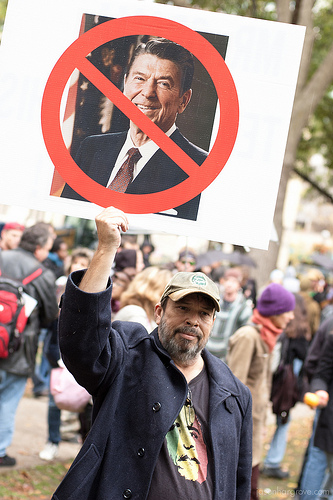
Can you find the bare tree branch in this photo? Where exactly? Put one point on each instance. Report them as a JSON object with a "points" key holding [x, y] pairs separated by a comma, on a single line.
{"points": [[314, 184]]}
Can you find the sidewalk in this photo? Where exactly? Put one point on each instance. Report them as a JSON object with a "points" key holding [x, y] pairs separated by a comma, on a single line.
{"points": [[30, 435]]}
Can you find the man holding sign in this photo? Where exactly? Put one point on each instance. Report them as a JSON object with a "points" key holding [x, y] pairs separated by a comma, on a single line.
{"points": [[170, 420], [158, 82]]}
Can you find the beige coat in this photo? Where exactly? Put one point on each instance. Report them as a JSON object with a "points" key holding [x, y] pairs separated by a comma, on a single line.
{"points": [[249, 360]]}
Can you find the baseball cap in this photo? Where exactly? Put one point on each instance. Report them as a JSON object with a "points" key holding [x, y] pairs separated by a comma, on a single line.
{"points": [[13, 225], [185, 283]]}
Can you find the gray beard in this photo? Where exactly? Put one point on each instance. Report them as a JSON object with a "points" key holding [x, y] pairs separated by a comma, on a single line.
{"points": [[184, 351]]}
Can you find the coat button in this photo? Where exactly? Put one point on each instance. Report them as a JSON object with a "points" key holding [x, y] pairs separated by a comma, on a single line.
{"points": [[157, 406], [127, 494], [141, 452]]}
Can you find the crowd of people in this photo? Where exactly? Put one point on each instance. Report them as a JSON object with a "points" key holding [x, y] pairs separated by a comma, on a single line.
{"points": [[277, 342]]}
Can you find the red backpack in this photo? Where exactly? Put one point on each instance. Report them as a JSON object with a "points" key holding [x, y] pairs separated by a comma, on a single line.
{"points": [[13, 316]]}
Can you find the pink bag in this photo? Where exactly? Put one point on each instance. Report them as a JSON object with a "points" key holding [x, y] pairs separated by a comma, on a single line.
{"points": [[67, 393]]}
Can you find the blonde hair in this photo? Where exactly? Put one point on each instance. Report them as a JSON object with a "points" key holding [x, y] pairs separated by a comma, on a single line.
{"points": [[146, 288]]}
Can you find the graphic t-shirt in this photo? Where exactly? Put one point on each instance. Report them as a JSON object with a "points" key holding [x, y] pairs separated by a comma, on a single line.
{"points": [[183, 470]]}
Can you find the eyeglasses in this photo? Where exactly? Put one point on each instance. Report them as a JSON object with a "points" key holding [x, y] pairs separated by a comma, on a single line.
{"points": [[191, 262], [119, 283], [117, 280]]}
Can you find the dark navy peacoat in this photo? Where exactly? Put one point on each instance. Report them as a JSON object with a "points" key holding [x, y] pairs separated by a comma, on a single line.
{"points": [[138, 393]]}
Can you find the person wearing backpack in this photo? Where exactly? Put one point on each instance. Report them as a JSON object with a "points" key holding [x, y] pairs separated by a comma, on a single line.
{"points": [[25, 262]]}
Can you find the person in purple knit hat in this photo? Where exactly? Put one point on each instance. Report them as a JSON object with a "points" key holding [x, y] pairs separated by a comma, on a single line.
{"points": [[249, 357]]}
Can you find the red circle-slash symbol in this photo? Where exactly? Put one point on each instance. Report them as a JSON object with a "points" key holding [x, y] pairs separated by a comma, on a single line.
{"points": [[199, 177]]}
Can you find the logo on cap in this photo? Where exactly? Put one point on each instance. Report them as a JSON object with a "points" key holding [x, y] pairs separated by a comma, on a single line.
{"points": [[199, 280]]}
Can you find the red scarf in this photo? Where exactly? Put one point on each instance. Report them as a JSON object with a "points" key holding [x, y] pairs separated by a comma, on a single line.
{"points": [[268, 332]]}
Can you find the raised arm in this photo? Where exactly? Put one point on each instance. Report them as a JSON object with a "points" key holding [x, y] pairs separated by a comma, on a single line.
{"points": [[108, 223]]}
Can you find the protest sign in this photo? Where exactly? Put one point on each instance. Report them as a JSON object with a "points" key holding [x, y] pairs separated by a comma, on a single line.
{"points": [[68, 85]]}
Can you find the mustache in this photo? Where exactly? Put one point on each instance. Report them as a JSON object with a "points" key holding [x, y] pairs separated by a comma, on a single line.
{"points": [[189, 331]]}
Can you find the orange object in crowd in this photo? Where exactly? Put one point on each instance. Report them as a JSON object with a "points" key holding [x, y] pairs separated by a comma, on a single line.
{"points": [[311, 399]]}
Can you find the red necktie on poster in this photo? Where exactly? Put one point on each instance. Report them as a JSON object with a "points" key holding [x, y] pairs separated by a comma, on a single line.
{"points": [[125, 173]]}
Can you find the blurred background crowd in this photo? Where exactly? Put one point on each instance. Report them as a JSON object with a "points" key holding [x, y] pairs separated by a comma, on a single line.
{"points": [[139, 276]]}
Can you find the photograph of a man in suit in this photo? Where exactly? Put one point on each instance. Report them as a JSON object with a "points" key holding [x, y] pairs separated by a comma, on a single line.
{"points": [[158, 81]]}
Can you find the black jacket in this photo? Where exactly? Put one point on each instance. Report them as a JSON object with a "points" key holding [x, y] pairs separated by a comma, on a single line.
{"points": [[323, 380], [316, 347], [18, 264]]}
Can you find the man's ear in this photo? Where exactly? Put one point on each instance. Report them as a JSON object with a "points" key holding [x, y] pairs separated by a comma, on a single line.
{"points": [[37, 251], [214, 318], [158, 313], [184, 100]]}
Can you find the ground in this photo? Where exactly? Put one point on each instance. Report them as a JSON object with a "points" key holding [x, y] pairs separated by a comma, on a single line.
{"points": [[298, 437]]}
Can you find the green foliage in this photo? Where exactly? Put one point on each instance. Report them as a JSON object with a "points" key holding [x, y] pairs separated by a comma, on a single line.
{"points": [[3, 8], [261, 9], [323, 28], [317, 138]]}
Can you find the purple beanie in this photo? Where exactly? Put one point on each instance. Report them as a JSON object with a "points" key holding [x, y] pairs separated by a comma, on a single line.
{"points": [[274, 300]]}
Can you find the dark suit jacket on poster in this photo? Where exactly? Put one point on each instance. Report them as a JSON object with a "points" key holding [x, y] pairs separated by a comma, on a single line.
{"points": [[97, 156]]}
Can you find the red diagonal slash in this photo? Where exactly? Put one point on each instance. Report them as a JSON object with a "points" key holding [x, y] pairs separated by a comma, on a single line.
{"points": [[135, 115]]}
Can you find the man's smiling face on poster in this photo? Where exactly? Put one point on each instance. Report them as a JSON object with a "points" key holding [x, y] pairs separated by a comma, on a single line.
{"points": [[154, 86]]}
